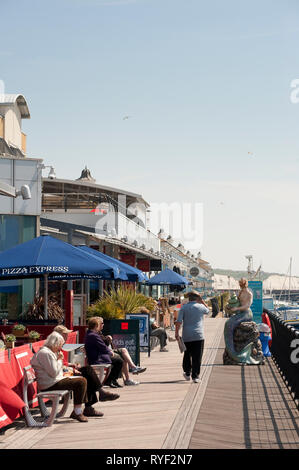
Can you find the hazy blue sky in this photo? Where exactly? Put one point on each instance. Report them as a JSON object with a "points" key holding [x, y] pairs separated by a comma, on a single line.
{"points": [[204, 83]]}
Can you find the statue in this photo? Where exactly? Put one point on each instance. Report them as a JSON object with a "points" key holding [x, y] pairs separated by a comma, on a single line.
{"points": [[86, 175], [239, 310]]}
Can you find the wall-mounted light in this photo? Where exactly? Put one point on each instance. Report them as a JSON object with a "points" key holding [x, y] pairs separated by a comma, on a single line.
{"points": [[10, 191], [24, 192], [52, 174]]}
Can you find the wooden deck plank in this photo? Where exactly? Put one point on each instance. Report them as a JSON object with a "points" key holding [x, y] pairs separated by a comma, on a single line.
{"points": [[234, 407], [246, 407]]}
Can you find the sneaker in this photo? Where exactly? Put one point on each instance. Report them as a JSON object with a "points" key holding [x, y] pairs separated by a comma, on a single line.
{"points": [[196, 381], [187, 377], [80, 417], [138, 370], [107, 396], [90, 411], [115, 384], [163, 350], [131, 382], [170, 338]]}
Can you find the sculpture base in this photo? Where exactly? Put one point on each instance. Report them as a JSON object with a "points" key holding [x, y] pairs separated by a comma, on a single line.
{"points": [[245, 333]]}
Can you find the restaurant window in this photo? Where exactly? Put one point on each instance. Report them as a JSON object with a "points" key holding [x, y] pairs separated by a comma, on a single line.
{"points": [[16, 294]]}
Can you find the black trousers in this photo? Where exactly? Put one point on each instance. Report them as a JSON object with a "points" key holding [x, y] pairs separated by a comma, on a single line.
{"points": [[93, 384], [117, 364], [192, 357]]}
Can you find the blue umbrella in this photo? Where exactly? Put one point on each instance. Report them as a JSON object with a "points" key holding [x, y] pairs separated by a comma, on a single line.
{"points": [[49, 257], [168, 277], [127, 272]]}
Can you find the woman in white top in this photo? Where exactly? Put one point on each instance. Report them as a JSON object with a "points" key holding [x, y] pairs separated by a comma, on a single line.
{"points": [[48, 366]]}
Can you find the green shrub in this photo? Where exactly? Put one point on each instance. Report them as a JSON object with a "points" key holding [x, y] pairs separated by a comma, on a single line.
{"points": [[34, 334], [19, 327], [10, 338], [117, 303]]}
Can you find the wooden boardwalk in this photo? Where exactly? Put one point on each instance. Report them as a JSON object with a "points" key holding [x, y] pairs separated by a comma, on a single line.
{"points": [[233, 407]]}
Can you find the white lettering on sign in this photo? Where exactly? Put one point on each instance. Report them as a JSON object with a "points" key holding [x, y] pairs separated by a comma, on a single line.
{"points": [[34, 270]]}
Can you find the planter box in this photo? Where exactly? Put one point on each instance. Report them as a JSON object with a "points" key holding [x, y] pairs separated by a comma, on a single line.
{"points": [[9, 344], [18, 333]]}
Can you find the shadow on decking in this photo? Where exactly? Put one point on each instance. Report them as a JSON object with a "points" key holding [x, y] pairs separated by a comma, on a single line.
{"points": [[269, 419]]}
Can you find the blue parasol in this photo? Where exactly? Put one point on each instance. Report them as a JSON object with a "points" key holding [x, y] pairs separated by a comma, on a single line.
{"points": [[168, 277], [127, 272], [49, 257]]}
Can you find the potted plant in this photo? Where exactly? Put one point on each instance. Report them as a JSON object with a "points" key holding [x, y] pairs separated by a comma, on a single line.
{"points": [[18, 329], [33, 336], [10, 341]]}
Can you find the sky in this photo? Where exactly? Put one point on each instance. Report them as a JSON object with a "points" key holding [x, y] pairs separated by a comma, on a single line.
{"points": [[212, 117]]}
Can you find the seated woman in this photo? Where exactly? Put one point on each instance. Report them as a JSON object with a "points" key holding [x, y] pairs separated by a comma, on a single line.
{"points": [[98, 352], [93, 383], [120, 359], [127, 361], [48, 366]]}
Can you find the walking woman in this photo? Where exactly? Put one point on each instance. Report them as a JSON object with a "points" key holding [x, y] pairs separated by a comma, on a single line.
{"points": [[191, 316]]}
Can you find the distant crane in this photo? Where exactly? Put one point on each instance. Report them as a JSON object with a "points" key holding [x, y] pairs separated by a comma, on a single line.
{"points": [[250, 266], [250, 270], [257, 271]]}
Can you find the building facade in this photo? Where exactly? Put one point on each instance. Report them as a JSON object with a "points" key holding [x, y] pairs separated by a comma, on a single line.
{"points": [[19, 218]]}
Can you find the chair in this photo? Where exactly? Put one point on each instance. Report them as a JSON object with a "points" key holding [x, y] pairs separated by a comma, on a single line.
{"points": [[102, 371], [54, 396]]}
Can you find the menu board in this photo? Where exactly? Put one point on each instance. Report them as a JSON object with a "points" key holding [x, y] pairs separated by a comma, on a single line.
{"points": [[125, 334]]}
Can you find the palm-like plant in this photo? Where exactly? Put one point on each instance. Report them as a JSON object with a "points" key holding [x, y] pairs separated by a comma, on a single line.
{"points": [[35, 310], [117, 303]]}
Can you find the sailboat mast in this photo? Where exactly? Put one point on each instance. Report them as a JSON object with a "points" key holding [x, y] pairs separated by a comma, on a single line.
{"points": [[290, 279]]}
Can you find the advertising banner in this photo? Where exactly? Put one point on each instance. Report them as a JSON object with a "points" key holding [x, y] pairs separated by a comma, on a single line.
{"points": [[144, 328], [256, 288]]}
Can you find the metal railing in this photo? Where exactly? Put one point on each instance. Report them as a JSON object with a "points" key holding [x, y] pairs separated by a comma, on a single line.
{"points": [[285, 353]]}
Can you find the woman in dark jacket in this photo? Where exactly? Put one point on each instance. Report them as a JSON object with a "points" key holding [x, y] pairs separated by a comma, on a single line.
{"points": [[99, 353]]}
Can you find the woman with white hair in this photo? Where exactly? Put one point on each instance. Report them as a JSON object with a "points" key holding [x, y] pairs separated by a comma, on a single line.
{"points": [[48, 366]]}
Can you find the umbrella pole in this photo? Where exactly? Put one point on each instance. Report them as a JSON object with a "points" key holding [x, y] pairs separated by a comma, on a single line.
{"points": [[46, 296]]}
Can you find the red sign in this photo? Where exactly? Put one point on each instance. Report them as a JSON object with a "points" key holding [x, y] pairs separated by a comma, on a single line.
{"points": [[124, 326], [128, 258], [143, 265]]}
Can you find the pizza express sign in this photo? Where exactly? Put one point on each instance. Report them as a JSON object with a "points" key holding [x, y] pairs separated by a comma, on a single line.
{"points": [[27, 270]]}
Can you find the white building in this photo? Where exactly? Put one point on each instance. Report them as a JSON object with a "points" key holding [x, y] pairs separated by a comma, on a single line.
{"points": [[19, 218]]}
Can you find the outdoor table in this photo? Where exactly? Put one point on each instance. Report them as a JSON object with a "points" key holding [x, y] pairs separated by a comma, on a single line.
{"points": [[75, 353]]}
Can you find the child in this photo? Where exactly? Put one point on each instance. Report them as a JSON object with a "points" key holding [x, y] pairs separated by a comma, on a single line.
{"points": [[265, 337]]}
